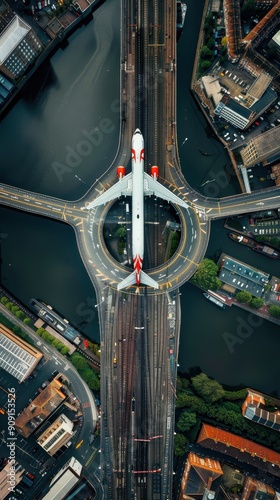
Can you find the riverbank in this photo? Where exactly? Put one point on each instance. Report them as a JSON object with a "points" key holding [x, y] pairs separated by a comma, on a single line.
{"points": [[200, 98], [82, 17]]}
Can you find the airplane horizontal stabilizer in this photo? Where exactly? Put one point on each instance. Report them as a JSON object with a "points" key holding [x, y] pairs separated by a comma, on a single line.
{"points": [[129, 281], [147, 280]]}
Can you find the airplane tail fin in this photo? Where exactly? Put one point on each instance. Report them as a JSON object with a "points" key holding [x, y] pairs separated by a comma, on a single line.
{"points": [[147, 280], [144, 278]]}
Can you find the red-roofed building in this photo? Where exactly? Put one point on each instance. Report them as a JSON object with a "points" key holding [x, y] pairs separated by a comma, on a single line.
{"points": [[240, 448], [253, 410], [199, 474], [256, 490]]}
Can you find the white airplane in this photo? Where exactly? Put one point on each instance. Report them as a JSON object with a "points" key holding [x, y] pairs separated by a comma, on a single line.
{"points": [[137, 184]]}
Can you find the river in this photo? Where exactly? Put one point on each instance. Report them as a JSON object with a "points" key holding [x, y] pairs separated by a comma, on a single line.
{"points": [[68, 98]]}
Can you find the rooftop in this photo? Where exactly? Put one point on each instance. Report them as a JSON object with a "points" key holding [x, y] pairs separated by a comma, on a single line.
{"points": [[12, 36], [17, 357], [241, 276], [40, 408], [245, 446]]}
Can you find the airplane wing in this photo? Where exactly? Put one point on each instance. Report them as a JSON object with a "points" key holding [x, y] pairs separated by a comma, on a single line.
{"points": [[122, 188], [152, 186]]}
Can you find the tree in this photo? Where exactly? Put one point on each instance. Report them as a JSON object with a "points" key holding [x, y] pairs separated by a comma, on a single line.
{"points": [[121, 232], [78, 361], [206, 275], [27, 321], [94, 382], [204, 65], [274, 311], [180, 445], [244, 297], [211, 44], [20, 315], [9, 305], [40, 331], [206, 53], [4, 300], [16, 330], [64, 350], [186, 421], [256, 303], [86, 374], [14, 309], [59, 346], [224, 41], [210, 390]]}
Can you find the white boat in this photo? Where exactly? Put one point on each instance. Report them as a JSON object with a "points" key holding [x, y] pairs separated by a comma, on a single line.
{"points": [[214, 300], [181, 14]]}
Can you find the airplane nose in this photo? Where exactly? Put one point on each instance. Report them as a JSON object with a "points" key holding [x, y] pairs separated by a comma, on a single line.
{"points": [[137, 131]]}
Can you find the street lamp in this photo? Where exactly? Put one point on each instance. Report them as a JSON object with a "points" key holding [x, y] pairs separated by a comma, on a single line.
{"points": [[102, 300]]}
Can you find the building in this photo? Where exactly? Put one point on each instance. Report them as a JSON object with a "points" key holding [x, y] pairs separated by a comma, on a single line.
{"points": [[240, 276], [64, 481], [275, 42], [233, 28], [275, 174], [242, 109], [256, 490], [254, 408], [243, 449], [11, 473], [262, 147], [198, 477], [233, 112], [19, 44], [17, 357], [56, 435], [40, 408]]}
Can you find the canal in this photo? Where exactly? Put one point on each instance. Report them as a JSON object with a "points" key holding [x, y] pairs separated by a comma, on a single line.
{"points": [[43, 150]]}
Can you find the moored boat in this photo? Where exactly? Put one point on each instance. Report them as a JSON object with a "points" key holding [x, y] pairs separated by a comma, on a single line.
{"points": [[257, 247], [215, 301]]}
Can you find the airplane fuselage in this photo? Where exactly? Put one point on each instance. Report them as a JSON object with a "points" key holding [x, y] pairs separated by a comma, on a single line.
{"points": [[137, 153]]}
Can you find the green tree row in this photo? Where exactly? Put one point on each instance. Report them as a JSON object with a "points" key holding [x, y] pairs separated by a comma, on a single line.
{"points": [[50, 339], [15, 310], [245, 297]]}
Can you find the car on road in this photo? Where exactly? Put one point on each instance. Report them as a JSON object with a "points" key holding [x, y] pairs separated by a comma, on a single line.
{"points": [[242, 137]]}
